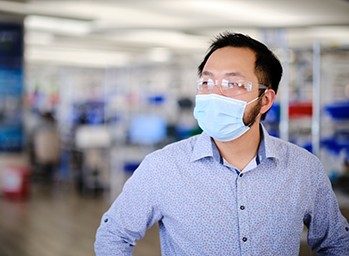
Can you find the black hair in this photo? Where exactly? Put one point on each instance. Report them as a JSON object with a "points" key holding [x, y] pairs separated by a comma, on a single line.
{"points": [[268, 68]]}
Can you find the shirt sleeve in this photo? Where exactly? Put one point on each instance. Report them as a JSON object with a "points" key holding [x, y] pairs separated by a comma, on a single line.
{"points": [[328, 230], [132, 213]]}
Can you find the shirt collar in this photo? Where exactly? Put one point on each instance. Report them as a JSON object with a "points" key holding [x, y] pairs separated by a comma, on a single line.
{"points": [[205, 147], [267, 147]]}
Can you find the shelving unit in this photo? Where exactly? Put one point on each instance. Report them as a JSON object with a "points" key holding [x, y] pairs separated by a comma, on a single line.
{"points": [[335, 113], [318, 106]]}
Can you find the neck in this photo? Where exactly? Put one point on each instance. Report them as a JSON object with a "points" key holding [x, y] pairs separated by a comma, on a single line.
{"points": [[242, 150]]}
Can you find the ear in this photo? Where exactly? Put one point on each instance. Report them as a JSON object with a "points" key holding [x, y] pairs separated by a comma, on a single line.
{"points": [[267, 100]]}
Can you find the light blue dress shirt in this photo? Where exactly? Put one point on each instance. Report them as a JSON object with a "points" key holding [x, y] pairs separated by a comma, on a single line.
{"points": [[206, 207]]}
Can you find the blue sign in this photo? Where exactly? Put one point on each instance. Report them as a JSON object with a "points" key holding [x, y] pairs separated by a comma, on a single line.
{"points": [[11, 87], [11, 45]]}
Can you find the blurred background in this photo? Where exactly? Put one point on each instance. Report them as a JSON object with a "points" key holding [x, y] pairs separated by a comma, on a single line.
{"points": [[88, 88]]}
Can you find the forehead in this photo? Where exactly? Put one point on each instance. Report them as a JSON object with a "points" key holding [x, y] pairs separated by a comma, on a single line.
{"points": [[231, 59]]}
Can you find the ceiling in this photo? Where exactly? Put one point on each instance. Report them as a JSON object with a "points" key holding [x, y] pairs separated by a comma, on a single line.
{"points": [[114, 33]]}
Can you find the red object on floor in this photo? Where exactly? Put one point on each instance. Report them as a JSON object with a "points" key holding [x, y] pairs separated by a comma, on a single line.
{"points": [[16, 182]]}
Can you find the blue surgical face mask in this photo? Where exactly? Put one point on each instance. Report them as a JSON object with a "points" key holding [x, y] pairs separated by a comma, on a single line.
{"points": [[221, 117]]}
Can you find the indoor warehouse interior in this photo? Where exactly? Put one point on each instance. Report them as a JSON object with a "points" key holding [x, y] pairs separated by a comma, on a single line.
{"points": [[89, 88]]}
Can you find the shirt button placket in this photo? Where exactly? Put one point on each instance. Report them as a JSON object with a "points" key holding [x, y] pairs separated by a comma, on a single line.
{"points": [[242, 189]]}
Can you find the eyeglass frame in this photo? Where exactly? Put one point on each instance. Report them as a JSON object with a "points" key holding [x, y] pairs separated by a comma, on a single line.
{"points": [[226, 82]]}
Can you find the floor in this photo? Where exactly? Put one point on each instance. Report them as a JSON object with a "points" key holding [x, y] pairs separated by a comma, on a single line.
{"points": [[57, 221]]}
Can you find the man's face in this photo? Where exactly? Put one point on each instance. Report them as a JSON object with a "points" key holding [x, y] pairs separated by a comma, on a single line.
{"points": [[241, 63]]}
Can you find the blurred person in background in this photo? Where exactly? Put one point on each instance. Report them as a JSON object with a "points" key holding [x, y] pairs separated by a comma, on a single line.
{"points": [[46, 147], [234, 189]]}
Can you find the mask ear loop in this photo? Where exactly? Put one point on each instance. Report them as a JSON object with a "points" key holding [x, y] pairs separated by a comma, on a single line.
{"points": [[257, 98], [265, 90]]}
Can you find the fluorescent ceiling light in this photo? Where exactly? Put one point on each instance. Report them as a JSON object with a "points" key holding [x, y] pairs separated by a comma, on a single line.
{"points": [[38, 38], [159, 54], [331, 32], [57, 25], [121, 14], [162, 38], [76, 57], [266, 13], [240, 12], [327, 36]]}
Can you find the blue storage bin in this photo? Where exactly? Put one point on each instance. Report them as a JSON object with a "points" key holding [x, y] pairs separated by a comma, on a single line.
{"points": [[339, 110], [273, 115], [130, 167]]}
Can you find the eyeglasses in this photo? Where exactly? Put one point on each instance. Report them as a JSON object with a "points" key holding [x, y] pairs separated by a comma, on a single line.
{"points": [[229, 88]]}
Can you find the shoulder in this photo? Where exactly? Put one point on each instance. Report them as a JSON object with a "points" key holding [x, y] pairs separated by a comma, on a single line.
{"points": [[164, 164], [177, 150], [302, 165], [293, 154]]}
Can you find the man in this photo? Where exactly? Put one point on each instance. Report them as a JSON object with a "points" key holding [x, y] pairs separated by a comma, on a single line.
{"points": [[234, 189]]}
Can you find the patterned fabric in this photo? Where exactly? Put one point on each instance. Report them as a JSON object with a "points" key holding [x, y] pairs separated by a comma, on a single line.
{"points": [[205, 207]]}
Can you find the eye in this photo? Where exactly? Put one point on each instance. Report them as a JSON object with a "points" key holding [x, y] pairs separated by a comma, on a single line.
{"points": [[234, 84], [207, 82]]}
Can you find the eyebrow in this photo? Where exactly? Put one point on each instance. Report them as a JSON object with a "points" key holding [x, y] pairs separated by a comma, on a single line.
{"points": [[208, 73]]}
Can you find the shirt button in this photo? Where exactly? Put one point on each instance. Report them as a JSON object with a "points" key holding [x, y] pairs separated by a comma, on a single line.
{"points": [[244, 239], [346, 229], [241, 174], [242, 207]]}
